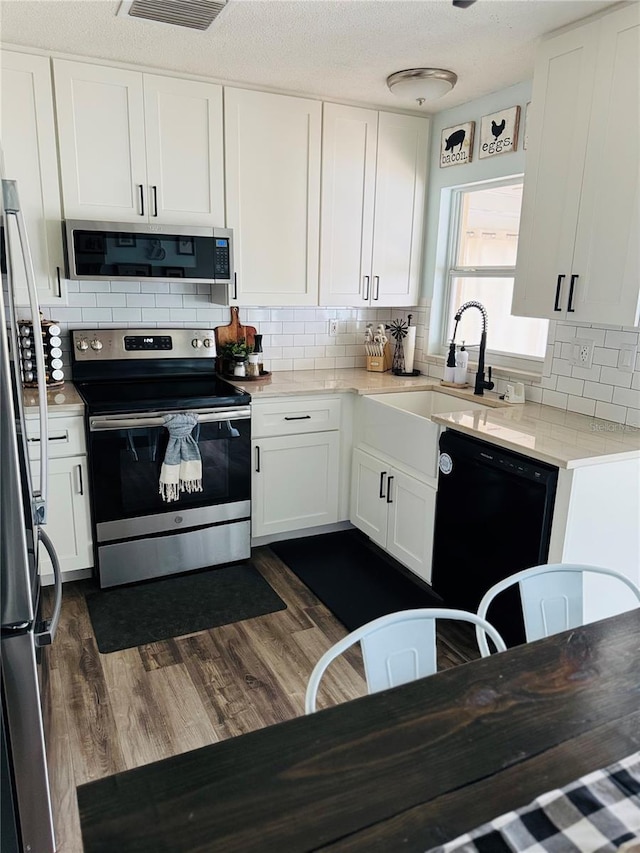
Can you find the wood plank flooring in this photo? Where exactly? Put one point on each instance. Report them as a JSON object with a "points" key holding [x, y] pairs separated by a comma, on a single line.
{"points": [[112, 712]]}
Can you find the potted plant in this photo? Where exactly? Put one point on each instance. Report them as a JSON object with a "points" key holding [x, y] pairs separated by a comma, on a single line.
{"points": [[234, 353]]}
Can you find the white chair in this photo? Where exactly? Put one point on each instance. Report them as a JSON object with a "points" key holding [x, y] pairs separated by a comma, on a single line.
{"points": [[552, 598], [396, 648]]}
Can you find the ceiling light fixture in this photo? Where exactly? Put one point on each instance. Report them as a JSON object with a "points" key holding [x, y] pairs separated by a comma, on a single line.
{"points": [[422, 84]]}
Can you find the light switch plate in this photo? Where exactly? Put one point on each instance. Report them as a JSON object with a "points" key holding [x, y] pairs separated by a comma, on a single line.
{"points": [[627, 357]]}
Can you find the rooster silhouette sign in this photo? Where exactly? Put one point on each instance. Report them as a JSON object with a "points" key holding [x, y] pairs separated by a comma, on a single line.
{"points": [[499, 132]]}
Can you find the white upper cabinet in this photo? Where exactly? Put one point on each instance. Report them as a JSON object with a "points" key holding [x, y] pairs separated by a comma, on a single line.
{"points": [[373, 193], [29, 152], [578, 249], [272, 166], [139, 147]]}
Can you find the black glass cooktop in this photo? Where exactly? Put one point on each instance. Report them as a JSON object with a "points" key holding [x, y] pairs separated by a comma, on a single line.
{"points": [[159, 395]]}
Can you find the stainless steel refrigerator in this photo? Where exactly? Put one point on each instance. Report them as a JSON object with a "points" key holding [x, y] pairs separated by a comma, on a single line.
{"points": [[27, 823]]}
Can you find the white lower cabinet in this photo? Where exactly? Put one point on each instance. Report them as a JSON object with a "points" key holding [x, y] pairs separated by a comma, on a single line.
{"points": [[297, 447], [68, 519], [295, 482], [395, 510], [68, 514]]}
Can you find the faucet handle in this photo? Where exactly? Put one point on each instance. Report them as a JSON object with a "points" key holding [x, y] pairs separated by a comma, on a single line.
{"points": [[489, 385]]}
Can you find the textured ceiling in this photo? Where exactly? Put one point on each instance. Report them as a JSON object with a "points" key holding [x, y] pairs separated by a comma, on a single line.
{"points": [[335, 49]]}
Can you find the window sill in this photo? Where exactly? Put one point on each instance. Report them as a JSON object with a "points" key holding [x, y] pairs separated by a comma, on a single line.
{"points": [[496, 369]]}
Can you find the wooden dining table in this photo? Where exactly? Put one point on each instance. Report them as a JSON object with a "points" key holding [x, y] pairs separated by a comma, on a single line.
{"points": [[401, 770]]}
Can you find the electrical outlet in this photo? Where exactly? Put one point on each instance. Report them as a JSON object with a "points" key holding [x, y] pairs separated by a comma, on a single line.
{"points": [[333, 328], [582, 355]]}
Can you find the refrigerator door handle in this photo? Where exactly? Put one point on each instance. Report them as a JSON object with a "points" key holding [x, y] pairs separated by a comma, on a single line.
{"points": [[50, 626], [11, 203]]}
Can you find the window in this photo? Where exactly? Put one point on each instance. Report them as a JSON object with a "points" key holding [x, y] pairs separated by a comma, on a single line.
{"points": [[483, 240]]}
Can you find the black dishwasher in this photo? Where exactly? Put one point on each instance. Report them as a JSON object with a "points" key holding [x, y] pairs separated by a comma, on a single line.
{"points": [[493, 518]]}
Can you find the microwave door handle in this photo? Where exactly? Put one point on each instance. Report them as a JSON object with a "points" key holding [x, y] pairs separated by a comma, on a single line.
{"points": [[11, 202]]}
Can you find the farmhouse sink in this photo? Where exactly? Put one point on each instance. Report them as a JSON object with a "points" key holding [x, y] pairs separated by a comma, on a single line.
{"points": [[399, 425]]}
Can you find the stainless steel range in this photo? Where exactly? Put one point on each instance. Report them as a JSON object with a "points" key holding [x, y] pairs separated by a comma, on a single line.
{"points": [[130, 380]]}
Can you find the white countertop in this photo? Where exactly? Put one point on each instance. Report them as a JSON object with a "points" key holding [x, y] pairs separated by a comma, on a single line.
{"points": [[551, 435], [542, 432], [60, 401]]}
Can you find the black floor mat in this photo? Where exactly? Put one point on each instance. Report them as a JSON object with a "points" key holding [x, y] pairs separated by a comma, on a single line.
{"points": [[157, 610], [356, 583]]}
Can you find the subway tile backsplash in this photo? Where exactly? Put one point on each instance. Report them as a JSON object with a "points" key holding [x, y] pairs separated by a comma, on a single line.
{"points": [[298, 339]]}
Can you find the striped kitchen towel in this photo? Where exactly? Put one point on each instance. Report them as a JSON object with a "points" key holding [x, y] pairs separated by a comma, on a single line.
{"points": [[182, 467]]}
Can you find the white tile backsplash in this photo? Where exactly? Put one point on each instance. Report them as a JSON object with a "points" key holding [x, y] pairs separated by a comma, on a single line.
{"points": [[298, 339]]}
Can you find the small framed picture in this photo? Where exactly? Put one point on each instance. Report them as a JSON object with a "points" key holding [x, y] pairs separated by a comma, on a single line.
{"points": [[456, 144], [185, 246], [91, 243], [174, 272], [499, 133], [126, 240], [134, 270]]}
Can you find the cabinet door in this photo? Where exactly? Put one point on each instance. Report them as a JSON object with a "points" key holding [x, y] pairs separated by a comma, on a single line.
{"points": [[295, 482], [102, 145], [607, 248], [272, 169], [30, 158], [559, 123], [68, 518], [368, 496], [348, 192], [183, 128], [412, 506], [401, 175]]}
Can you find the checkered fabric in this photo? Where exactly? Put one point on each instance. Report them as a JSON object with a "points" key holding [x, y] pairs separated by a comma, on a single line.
{"points": [[598, 813]]}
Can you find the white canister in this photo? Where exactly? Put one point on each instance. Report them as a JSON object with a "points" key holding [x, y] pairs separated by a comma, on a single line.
{"points": [[460, 375]]}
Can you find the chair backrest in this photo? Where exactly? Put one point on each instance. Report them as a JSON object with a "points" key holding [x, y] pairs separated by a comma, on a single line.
{"points": [[396, 648], [552, 598]]}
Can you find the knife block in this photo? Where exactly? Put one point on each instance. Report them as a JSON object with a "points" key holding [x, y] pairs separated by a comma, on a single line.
{"points": [[380, 363]]}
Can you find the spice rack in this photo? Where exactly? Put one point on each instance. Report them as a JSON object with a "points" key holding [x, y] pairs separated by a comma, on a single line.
{"points": [[52, 345]]}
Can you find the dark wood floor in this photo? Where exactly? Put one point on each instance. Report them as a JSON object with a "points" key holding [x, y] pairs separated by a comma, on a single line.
{"points": [[112, 712]]}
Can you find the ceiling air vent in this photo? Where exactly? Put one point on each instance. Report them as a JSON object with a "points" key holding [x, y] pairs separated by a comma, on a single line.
{"points": [[195, 14]]}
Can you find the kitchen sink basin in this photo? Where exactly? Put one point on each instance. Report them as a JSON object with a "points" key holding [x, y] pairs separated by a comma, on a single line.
{"points": [[399, 426]]}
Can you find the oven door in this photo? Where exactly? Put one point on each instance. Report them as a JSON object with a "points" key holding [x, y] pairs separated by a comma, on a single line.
{"points": [[126, 453]]}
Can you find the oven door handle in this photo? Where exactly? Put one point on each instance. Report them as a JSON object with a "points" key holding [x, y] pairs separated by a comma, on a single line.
{"points": [[219, 416]]}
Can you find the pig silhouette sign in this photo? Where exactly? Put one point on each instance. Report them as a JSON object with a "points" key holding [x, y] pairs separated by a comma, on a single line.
{"points": [[456, 144]]}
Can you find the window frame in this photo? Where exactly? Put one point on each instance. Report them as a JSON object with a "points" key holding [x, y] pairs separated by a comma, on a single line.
{"points": [[499, 358]]}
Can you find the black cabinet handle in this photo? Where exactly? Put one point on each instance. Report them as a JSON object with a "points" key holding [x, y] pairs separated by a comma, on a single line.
{"points": [[389, 481], [376, 278], [155, 200], [141, 191], [59, 282], [297, 417], [556, 304], [365, 279], [383, 474], [257, 459], [572, 285], [80, 481], [235, 285]]}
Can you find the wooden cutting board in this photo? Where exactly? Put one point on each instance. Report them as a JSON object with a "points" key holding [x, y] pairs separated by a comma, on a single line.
{"points": [[234, 332]]}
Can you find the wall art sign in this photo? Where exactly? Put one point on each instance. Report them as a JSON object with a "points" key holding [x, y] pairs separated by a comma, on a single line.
{"points": [[499, 132], [456, 145]]}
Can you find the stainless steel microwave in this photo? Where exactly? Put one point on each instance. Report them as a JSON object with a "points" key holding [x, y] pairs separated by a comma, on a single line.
{"points": [[127, 251]]}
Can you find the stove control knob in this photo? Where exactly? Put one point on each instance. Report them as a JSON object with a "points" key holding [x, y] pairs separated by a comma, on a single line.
{"points": [[96, 345], [196, 343], [82, 345], [209, 342]]}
